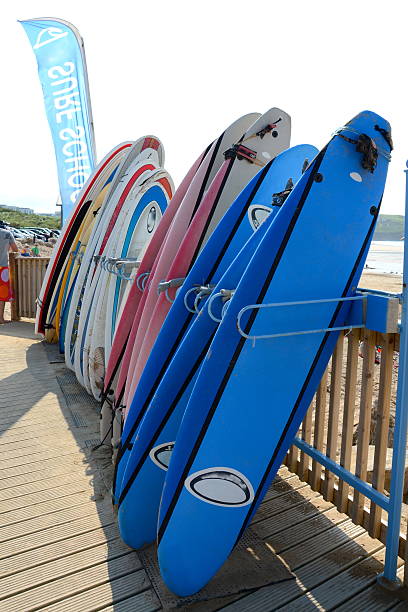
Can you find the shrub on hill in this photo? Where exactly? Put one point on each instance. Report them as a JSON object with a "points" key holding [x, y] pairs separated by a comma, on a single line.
{"points": [[18, 219]]}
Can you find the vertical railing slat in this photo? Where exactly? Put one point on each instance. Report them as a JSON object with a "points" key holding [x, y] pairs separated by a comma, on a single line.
{"points": [[382, 429], [348, 414], [364, 423], [306, 435], [27, 291], [13, 258], [20, 287], [292, 459], [318, 431], [334, 411]]}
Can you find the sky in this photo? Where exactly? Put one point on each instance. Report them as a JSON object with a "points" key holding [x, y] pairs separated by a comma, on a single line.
{"points": [[184, 71]]}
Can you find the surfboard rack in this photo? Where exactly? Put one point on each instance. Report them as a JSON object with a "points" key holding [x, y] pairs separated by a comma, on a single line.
{"points": [[372, 310], [120, 264], [225, 295], [141, 280], [116, 265], [164, 286], [200, 291]]}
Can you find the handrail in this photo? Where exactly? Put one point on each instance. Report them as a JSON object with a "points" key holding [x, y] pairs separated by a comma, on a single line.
{"points": [[299, 303]]}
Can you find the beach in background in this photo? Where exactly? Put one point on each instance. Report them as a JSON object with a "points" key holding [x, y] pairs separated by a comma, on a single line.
{"points": [[384, 265], [386, 256]]}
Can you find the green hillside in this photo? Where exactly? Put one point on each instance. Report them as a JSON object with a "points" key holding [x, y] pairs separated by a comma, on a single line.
{"points": [[18, 219], [389, 227]]}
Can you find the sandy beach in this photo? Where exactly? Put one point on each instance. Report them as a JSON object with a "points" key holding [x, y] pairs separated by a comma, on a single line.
{"points": [[381, 282]]}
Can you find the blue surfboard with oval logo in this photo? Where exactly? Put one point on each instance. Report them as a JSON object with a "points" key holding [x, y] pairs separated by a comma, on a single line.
{"points": [[263, 365], [240, 221]]}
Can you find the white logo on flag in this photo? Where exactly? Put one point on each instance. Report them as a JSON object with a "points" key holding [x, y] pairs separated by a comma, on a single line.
{"points": [[49, 35]]}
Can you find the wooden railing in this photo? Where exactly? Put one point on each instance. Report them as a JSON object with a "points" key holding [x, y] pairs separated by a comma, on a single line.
{"points": [[27, 274], [350, 420]]}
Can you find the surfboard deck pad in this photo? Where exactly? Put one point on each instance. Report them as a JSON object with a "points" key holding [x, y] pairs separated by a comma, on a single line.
{"points": [[251, 565]]}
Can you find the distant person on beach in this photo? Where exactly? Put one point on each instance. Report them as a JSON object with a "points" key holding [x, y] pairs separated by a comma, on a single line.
{"points": [[7, 243]]}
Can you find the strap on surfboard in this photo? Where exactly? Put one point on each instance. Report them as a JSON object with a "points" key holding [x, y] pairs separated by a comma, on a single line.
{"points": [[270, 128], [279, 198], [240, 151], [367, 146]]}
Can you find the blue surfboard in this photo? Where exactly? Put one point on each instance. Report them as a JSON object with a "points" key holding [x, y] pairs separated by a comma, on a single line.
{"points": [[237, 225], [150, 454], [261, 370]]}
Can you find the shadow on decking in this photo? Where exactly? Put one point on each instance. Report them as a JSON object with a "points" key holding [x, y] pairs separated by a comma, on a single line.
{"points": [[52, 538], [322, 547]]}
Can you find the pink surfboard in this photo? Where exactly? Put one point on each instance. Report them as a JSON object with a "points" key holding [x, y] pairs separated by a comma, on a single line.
{"points": [[111, 430], [186, 208], [136, 292], [186, 212], [125, 333], [266, 138]]}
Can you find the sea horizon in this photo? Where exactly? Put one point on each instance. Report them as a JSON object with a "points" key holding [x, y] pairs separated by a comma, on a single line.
{"points": [[385, 257]]}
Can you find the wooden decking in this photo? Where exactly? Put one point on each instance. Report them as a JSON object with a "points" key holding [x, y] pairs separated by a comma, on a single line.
{"points": [[59, 545]]}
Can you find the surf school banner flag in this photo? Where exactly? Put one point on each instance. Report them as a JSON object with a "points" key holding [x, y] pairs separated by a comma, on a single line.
{"points": [[60, 55]]}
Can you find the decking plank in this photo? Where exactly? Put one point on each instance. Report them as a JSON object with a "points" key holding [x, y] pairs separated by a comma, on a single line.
{"points": [[312, 548], [46, 595], [282, 502], [343, 586], [373, 598], [107, 594], [81, 486], [46, 447], [308, 577], [49, 471], [51, 482], [144, 602], [46, 508], [38, 432], [59, 517], [292, 516], [57, 550], [54, 534], [28, 579]]}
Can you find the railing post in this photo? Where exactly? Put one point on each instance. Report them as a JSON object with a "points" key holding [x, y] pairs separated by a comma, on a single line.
{"points": [[400, 431], [15, 315]]}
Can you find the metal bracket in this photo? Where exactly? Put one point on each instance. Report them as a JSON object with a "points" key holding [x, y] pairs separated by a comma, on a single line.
{"points": [[225, 295], [201, 291], [116, 265], [141, 280], [164, 286], [120, 264]]}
